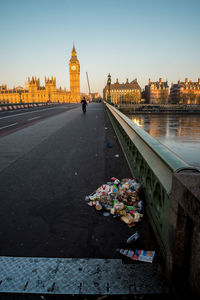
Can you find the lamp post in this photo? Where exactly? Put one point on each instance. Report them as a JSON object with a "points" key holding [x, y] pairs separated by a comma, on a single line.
{"points": [[109, 83]]}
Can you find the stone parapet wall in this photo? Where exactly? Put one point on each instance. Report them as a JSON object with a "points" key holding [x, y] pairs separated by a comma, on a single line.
{"points": [[183, 258]]}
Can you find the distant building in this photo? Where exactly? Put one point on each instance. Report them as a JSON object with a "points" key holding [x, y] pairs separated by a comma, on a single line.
{"points": [[187, 92], [157, 92], [3, 88], [83, 95], [143, 95], [34, 92], [129, 92], [95, 96]]}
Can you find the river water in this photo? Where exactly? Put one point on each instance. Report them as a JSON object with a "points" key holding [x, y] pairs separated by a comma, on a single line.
{"points": [[180, 133]]}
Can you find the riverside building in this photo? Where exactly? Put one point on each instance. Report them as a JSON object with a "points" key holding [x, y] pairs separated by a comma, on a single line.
{"points": [[129, 92], [157, 92], [187, 92], [34, 92]]}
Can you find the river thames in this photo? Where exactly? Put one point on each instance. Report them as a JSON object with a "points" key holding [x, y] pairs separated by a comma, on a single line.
{"points": [[180, 133]]}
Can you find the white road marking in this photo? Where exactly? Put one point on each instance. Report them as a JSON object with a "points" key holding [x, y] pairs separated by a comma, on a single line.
{"points": [[34, 118], [8, 126], [29, 112]]}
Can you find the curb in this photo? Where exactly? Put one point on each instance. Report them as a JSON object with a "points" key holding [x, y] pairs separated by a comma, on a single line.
{"points": [[15, 107]]}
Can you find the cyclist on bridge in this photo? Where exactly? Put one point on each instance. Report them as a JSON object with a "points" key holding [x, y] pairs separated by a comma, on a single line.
{"points": [[84, 103]]}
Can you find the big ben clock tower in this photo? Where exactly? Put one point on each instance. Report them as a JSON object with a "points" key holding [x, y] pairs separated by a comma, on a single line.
{"points": [[74, 72]]}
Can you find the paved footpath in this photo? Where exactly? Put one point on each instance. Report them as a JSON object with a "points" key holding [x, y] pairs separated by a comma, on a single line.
{"points": [[46, 170]]}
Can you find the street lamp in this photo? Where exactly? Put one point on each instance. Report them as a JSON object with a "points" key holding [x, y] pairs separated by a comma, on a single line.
{"points": [[109, 83]]}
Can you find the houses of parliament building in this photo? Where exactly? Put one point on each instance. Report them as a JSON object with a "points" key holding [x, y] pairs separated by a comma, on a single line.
{"points": [[34, 92]]}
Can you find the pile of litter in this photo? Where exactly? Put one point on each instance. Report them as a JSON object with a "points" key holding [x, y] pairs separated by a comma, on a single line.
{"points": [[119, 199]]}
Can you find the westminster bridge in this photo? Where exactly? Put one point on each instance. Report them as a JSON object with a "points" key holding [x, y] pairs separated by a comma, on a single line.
{"points": [[53, 243]]}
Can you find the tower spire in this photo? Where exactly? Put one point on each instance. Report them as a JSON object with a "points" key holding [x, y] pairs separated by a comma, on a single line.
{"points": [[74, 71], [73, 50]]}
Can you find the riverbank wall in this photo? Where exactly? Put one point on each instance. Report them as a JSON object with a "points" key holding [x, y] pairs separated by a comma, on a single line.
{"points": [[157, 108]]}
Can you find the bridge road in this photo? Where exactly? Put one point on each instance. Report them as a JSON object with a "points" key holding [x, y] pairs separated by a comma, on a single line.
{"points": [[46, 170], [11, 121]]}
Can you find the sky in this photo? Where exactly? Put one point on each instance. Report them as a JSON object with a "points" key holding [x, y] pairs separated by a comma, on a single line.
{"points": [[128, 39]]}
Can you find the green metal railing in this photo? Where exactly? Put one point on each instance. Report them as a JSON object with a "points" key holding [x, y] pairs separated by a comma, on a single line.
{"points": [[153, 165]]}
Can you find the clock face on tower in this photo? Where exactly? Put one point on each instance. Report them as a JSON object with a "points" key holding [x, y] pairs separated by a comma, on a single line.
{"points": [[73, 68]]}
